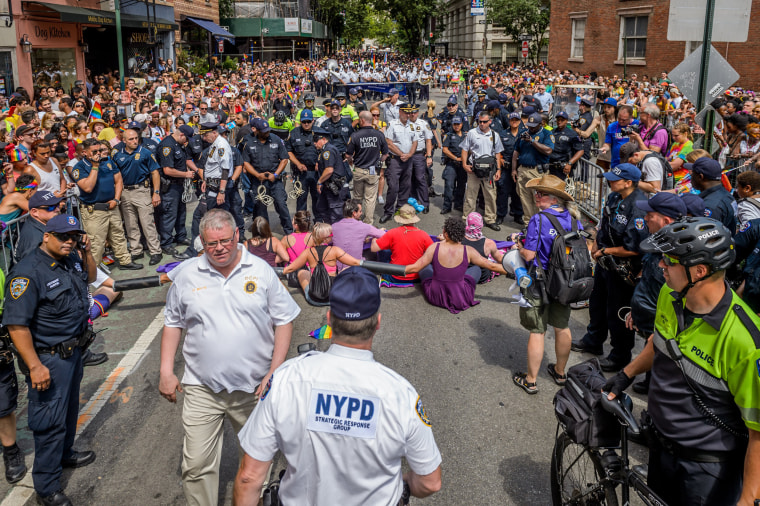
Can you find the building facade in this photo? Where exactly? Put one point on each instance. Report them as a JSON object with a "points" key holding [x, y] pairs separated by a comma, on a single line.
{"points": [[610, 36]]}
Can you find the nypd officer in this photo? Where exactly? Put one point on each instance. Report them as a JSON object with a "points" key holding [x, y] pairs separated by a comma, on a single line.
{"points": [[529, 161], [139, 172], [719, 204], [341, 410], [175, 169], [100, 187], [480, 105], [452, 110], [145, 142], [422, 160], [507, 200], [366, 149], [402, 143], [333, 179], [480, 143], [586, 125], [265, 159], [568, 148], [454, 176], [46, 313], [303, 156], [338, 127], [616, 251]]}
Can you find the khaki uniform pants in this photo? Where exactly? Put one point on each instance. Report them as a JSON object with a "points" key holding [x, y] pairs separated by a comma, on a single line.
{"points": [[102, 226], [524, 174], [474, 184], [203, 414], [365, 189], [137, 210]]}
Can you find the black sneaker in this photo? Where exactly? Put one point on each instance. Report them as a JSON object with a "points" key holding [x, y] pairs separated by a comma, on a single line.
{"points": [[15, 468], [609, 365]]}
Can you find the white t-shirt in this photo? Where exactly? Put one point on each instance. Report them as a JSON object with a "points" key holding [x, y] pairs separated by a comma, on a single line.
{"points": [[343, 422], [747, 210], [230, 321], [651, 170]]}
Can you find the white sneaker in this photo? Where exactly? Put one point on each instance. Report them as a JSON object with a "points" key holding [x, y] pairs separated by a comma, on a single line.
{"points": [[380, 200]]}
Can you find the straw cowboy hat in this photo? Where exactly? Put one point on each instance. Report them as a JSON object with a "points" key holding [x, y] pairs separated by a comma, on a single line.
{"points": [[406, 215], [550, 184]]}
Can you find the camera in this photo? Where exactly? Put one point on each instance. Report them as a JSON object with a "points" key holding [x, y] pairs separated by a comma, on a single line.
{"points": [[630, 129], [525, 136]]}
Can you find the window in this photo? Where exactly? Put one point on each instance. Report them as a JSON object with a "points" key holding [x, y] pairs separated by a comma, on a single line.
{"points": [[692, 46], [579, 33], [633, 37]]}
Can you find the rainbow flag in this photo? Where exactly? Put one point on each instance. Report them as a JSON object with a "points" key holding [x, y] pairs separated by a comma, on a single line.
{"points": [[323, 332], [96, 112], [290, 95], [373, 60]]}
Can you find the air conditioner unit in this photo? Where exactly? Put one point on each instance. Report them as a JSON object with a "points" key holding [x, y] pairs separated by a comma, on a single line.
{"points": [[225, 27]]}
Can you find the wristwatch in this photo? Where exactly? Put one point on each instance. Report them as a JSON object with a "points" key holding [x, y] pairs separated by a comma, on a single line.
{"points": [[118, 202], [604, 251], [156, 192], [222, 191]]}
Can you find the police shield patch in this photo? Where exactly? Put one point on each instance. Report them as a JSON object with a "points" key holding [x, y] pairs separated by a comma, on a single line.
{"points": [[708, 213], [18, 287], [137, 156], [639, 223], [326, 155], [745, 226], [422, 413], [75, 173], [166, 151], [250, 287]]}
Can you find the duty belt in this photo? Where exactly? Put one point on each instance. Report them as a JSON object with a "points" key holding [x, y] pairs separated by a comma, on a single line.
{"points": [[541, 168], [144, 184], [98, 206], [213, 181], [64, 349]]}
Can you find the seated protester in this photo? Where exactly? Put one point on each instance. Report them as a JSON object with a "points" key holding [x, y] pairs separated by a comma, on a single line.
{"points": [[551, 198], [748, 189], [351, 232], [299, 240], [15, 204], [320, 252], [264, 245], [403, 245], [450, 281], [473, 237]]}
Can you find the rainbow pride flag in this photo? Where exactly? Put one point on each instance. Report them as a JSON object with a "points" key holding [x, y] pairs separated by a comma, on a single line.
{"points": [[323, 332], [290, 95], [96, 112]]}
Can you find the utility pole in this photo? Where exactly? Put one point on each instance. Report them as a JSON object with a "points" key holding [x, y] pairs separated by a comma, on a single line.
{"points": [[706, 46], [119, 48]]}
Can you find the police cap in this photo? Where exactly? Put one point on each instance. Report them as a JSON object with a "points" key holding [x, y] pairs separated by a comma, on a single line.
{"points": [[587, 101], [307, 115], [667, 204], [456, 120], [353, 91], [43, 199], [493, 104], [187, 130], [260, 125], [208, 127], [355, 295], [626, 171], [135, 125], [534, 120], [320, 132], [562, 114], [63, 223], [481, 92], [452, 99]]}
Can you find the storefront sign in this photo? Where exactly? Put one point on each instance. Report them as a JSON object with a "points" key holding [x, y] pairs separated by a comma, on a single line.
{"points": [[306, 26], [139, 38], [52, 35], [159, 25], [100, 20], [476, 8], [291, 24]]}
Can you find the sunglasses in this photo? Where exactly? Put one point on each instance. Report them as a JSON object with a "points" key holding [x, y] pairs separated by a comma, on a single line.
{"points": [[482, 121], [66, 237], [306, 121], [375, 115], [49, 209], [670, 261]]}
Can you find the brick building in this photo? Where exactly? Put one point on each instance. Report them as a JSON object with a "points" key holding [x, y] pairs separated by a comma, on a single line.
{"points": [[588, 36]]}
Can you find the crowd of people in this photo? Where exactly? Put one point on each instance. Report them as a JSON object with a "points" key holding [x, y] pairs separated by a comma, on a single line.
{"points": [[104, 175]]}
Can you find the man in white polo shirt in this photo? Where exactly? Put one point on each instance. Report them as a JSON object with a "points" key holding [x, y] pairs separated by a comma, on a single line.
{"points": [[342, 420], [238, 318]]}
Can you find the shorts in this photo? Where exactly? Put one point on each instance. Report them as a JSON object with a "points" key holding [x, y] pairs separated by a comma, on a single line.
{"points": [[8, 389], [536, 319]]}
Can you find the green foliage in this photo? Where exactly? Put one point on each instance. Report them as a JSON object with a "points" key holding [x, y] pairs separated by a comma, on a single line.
{"points": [[192, 62], [411, 20], [382, 29], [226, 9], [230, 63], [522, 16], [355, 24]]}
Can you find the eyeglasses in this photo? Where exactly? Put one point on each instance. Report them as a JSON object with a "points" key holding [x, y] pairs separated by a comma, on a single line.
{"points": [[66, 237], [307, 121], [224, 242], [482, 121], [78, 105], [670, 261], [203, 108], [49, 209], [540, 194], [450, 105]]}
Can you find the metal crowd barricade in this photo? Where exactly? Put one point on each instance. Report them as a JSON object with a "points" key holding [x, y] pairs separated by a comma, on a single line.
{"points": [[590, 189], [9, 238]]}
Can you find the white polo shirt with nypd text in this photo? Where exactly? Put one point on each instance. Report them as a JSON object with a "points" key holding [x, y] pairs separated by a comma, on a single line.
{"points": [[229, 321], [343, 422]]}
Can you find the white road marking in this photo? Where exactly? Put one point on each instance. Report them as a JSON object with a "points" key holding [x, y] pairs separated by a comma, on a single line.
{"points": [[20, 494]]}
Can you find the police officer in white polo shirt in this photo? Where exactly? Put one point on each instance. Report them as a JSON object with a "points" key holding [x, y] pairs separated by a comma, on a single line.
{"points": [[342, 420], [238, 318]]}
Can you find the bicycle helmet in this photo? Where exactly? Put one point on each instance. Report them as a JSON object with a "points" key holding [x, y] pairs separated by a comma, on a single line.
{"points": [[309, 96], [279, 118], [694, 241]]}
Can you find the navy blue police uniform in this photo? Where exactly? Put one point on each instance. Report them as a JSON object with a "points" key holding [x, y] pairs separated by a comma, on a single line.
{"points": [[301, 144], [567, 142], [454, 175], [50, 298], [720, 206], [507, 200], [136, 167], [330, 205], [340, 131], [172, 212]]}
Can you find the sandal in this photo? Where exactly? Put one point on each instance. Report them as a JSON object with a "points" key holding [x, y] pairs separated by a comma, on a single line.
{"points": [[559, 379], [521, 380]]}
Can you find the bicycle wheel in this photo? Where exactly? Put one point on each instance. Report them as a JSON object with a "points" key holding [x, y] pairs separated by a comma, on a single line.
{"points": [[577, 476]]}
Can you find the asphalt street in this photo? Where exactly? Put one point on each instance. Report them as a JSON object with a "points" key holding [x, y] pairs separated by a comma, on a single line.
{"points": [[496, 441]]}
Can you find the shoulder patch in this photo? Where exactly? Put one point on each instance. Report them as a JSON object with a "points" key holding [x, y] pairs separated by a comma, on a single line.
{"points": [[221, 152], [75, 173], [166, 151], [745, 226], [18, 287], [326, 155], [551, 137], [422, 413], [639, 222], [708, 212]]}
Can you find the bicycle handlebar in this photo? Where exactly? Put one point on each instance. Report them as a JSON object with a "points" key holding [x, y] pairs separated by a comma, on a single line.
{"points": [[623, 412]]}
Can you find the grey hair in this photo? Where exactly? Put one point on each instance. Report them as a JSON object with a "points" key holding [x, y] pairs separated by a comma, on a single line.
{"points": [[217, 219], [652, 110]]}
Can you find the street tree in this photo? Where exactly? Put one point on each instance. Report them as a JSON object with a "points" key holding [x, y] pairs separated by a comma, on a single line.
{"points": [[522, 16]]}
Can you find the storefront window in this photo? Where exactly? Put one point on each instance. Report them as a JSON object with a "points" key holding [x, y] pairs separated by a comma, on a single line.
{"points": [[54, 67]]}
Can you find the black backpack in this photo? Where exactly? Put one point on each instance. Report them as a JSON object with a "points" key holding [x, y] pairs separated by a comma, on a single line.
{"points": [[321, 282], [668, 177], [569, 276]]}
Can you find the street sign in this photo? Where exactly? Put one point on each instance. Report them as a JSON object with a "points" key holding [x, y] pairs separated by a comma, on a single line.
{"points": [[525, 48], [720, 75], [221, 45], [686, 20], [525, 36]]}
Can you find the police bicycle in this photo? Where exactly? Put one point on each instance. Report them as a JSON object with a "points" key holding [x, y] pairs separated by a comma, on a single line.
{"points": [[582, 475]]}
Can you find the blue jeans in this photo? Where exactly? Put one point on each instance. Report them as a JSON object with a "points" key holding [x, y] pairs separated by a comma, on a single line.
{"points": [[308, 181], [172, 214], [53, 417]]}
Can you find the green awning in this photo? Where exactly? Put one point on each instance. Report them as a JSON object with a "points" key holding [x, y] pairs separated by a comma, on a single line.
{"points": [[70, 14]]}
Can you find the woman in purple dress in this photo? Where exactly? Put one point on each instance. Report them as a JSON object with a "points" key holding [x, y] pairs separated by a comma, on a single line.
{"points": [[448, 279]]}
